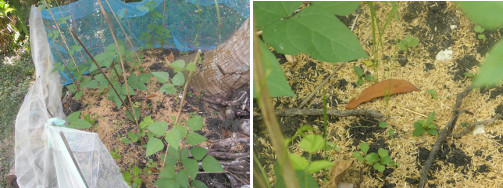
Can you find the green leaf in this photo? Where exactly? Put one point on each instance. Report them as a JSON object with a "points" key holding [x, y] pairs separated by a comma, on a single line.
{"points": [[358, 71], [198, 152], [191, 67], [136, 171], [133, 136], [382, 152], [210, 164], [168, 89], [125, 140], [298, 162], [136, 182], [192, 167], [195, 123], [275, 78], [177, 65], [340, 8], [490, 72], [364, 147], [166, 183], [369, 78], [314, 30], [198, 184], [195, 139], [433, 132], [147, 121], [478, 29], [168, 172], [93, 84], [358, 156], [382, 124], [433, 93], [359, 82], [173, 138], [312, 143], [154, 145], [379, 167], [319, 165], [182, 130], [182, 178], [418, 131], [73, 117], [80, 124], [158, 128], [486, 14], [162, 77], [372, 158], [385, 160], [178, 79], [431, 118], [127, 176], [136, 112]]}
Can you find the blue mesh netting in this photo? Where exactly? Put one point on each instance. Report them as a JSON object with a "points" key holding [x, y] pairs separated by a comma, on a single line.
{"points": [[180, 17]]}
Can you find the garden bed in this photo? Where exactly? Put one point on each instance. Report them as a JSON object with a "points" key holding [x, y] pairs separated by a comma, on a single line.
{"points": [[471, 160]]}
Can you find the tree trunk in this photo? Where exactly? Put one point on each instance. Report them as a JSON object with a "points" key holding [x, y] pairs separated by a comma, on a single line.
{"points": [[225, 68]]}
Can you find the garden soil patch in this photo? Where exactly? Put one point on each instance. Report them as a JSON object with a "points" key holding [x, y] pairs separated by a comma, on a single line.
{"points": [[469, 161], [112, 123]]}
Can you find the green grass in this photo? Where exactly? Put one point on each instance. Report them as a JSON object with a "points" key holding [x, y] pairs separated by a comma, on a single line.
{"points": [[15, 80]]}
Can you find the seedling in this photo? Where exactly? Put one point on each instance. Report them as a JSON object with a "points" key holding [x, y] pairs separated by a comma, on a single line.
{"points": [[420, 126], [128, 177], [480, 32], [433, 93], [391, 133], [382, 124], [469, 75], [115, 154], [362, 76], [407, 43], [378, 160]]}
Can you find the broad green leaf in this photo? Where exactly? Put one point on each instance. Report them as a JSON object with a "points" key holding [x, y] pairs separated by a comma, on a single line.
{"points": [[125, 140], [418, 131], [136, 171], [73, 117], [210, 164], [319, 165], [364, 147], [147, 121], [340, 8], [298, 162], [486, 14], [127, 176], [358, 156], [198, 184], [184, 155], [144, 77], [431, 118], [136, 114], [490, 72], [182, 130], [93, 84], [80, 124], [154, 145], [177, 65], [133, 136], [191, 67], [379, 167], [162, 77], [312, 143], [182, 178], [372, 157], [267, 13], [198, 152], [314, 30], [385, 160], [168, 172], [168, 89], [433, 132], [275, 78], [166, 183], [136, 182], [173, 138], [195, 139], [358, 70], [195, 123], [382, 152], [301, 175], [158, 128], [178, 79], [192, 167]]}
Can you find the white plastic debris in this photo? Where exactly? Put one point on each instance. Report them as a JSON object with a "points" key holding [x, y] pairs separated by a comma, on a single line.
{"points": [[444, 55], [454, 26], [479, 129]]}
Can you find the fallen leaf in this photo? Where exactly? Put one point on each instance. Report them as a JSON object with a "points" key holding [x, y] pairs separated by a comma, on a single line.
{"points": [[338, 171], [379, 89]]}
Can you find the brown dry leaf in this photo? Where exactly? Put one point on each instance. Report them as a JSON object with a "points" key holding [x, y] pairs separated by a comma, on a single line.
{"points": [[338, 171], [170, 58], [379, 89]]}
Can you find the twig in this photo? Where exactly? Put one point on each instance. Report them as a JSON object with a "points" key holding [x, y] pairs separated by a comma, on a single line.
{"points": [[354, 22], [320, 86], [331, 112], [443, 135], [470, 127]]}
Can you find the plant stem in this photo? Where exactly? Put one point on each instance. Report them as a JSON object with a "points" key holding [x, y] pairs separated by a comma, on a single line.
{"points": [[185, 89], [270, 120], [96, 63], [123, 69], [63, 38]]}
